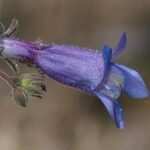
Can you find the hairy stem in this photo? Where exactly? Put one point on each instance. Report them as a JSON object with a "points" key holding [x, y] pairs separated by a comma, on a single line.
{"points": [[12, 28], [7, 78]]}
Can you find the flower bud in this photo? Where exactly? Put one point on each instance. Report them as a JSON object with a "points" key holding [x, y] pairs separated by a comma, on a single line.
{"points": [[34, 84], [20, 96], [27, 85]]}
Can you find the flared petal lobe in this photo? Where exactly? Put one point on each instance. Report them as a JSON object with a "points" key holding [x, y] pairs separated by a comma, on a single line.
{"points": [[106, 57], [133, 84], [121, 45], [113, 109], [106, 53]]}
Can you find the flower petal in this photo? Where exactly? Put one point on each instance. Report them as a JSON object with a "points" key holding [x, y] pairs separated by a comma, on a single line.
{"points": [[106, 58], [121, 45], [113, 109], [106, 53], [133, 85]]}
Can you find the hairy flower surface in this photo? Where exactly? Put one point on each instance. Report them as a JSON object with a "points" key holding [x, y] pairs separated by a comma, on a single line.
{"points": [[88, 70]]}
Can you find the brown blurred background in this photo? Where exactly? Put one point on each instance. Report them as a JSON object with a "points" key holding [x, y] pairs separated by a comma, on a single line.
{"points": [[66, 119]]}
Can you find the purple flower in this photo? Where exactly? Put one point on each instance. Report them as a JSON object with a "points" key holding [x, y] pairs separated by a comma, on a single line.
{"points": [[88, 70]]}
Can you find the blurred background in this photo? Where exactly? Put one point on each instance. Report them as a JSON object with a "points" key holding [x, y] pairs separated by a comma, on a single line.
{"points": [[66, 118]]}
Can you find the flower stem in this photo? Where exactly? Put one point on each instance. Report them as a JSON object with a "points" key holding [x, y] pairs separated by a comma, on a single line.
{"points": [[7, 78], [12, 28]]}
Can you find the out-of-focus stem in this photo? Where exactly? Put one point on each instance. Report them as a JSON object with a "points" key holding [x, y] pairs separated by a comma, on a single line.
{"points": [[7, 78], [12, 28]]}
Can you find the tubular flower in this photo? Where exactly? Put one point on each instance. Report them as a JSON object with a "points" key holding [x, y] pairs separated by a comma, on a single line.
{"points": [[88, 70]]}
